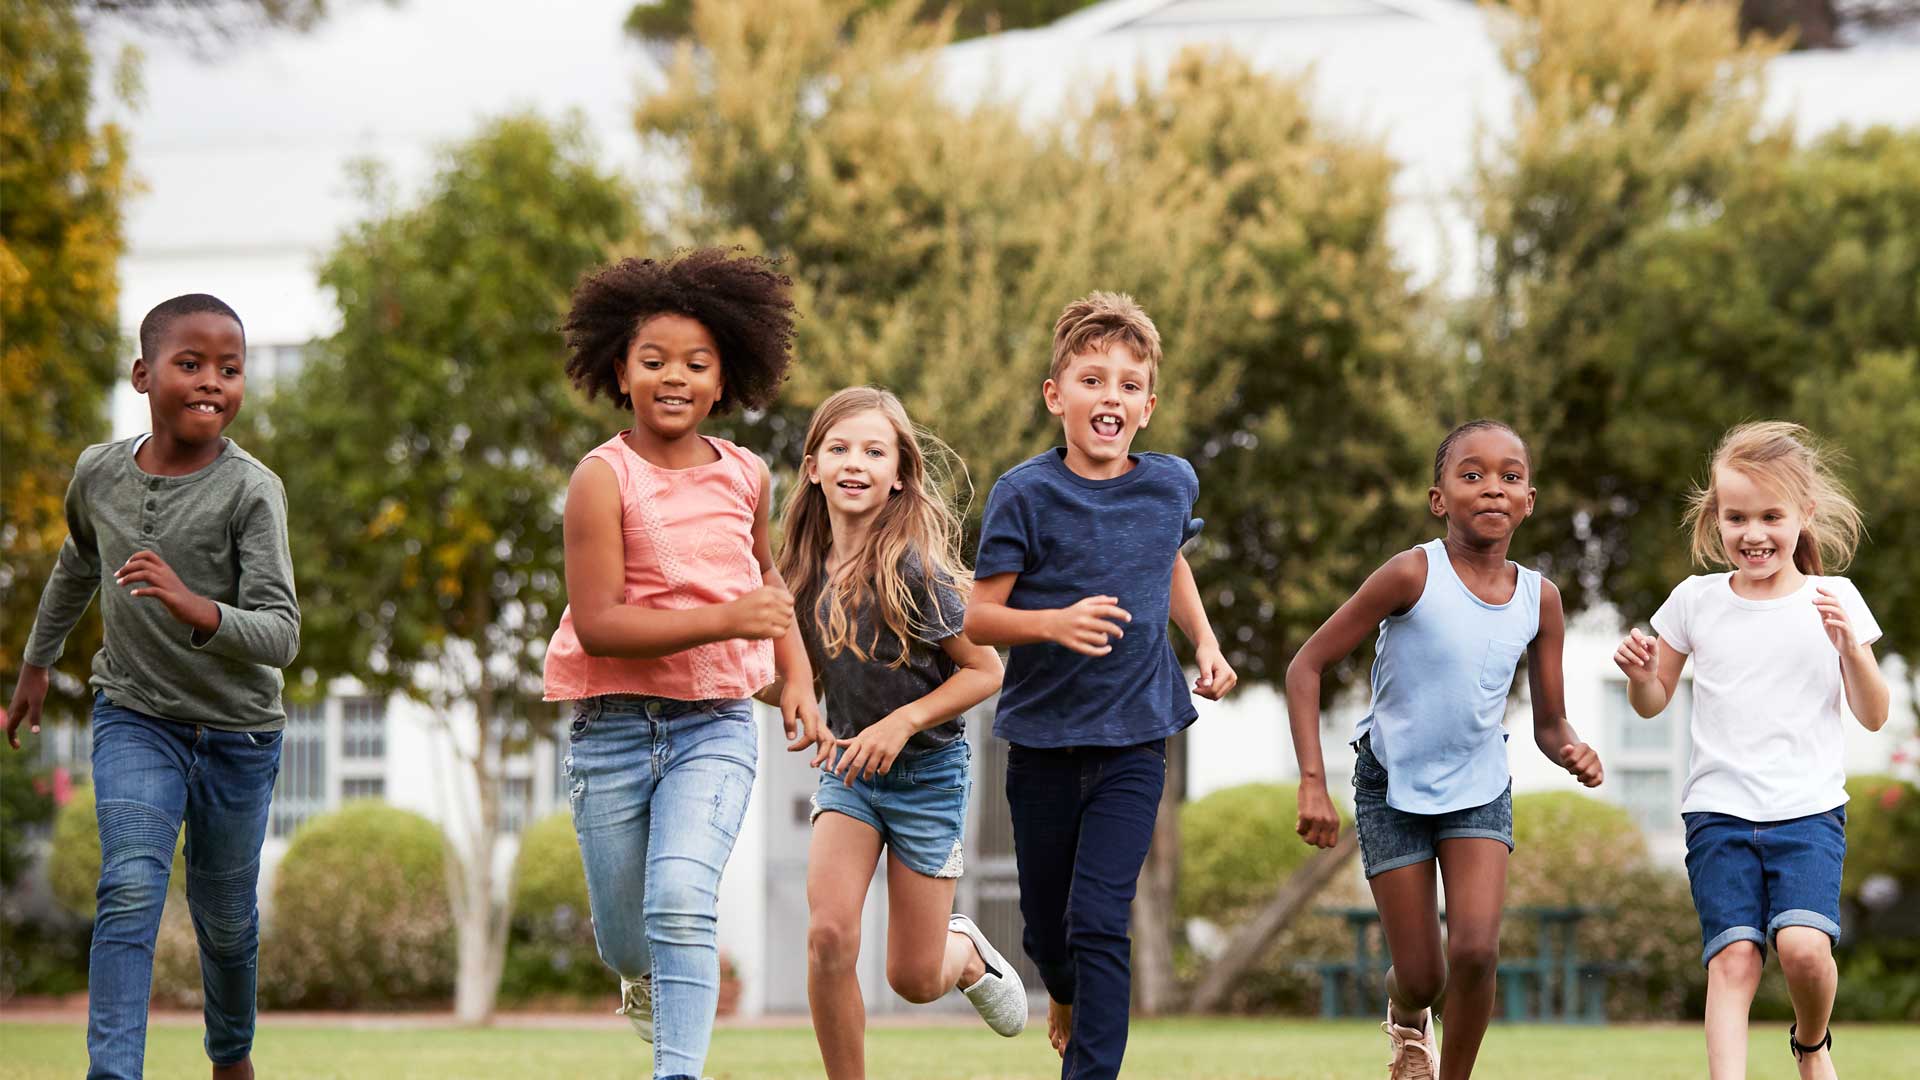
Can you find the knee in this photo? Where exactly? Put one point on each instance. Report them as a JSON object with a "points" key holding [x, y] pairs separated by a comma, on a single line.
{"points": [[130, 884], [918, 985], [225, 915], [1473, 960], [679, 915], [1419, 985], [1739, 961], [1805, 953], [833, 944]]}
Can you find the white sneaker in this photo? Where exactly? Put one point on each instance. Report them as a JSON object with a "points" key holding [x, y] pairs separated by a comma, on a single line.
{"points": [[636, 1004], [1415, 1057], [999, 997]]}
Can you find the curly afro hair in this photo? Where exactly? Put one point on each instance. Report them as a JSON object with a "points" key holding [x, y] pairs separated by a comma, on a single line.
{"points": [[743, 301]]}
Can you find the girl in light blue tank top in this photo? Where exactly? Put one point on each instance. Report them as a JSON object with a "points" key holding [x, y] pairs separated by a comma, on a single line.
{"points": [[1431, 784]]}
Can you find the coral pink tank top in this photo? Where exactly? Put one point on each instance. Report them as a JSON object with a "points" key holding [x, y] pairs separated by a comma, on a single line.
{"points": [[688, 539]]}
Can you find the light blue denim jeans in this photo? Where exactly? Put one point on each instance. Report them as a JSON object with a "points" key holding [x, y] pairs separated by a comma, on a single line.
{"points": [[150, 776], [659, 789]]}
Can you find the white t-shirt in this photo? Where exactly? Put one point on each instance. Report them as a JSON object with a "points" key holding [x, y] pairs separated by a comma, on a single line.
{"points": [[1767, 697]]}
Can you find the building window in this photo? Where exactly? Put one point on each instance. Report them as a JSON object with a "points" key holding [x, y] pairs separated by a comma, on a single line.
{"points": [[363, 729], [516, 803], [363, 787], [1648, 795], [301, 791]]}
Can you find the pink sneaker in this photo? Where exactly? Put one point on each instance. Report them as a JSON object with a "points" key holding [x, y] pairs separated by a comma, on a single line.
{"points": [[1415, 1057]]}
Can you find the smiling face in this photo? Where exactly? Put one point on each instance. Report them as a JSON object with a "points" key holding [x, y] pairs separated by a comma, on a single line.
{"points": [[672, 374], [857, 464], [1484, 491], [196, 379], [1759, 526], [1103, 398]]}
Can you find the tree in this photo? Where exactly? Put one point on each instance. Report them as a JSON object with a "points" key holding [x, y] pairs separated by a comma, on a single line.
{"points": [[62, 184], [429, 445], [672, 20]]}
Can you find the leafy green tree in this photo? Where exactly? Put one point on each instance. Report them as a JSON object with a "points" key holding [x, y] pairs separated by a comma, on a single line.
{"points": [[62, 183], [428, 444]]}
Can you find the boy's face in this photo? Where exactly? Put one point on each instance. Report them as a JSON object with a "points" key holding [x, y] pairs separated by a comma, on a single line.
{"points": [[1102, 399], [1485, 491], [197, 378], [672, 374]]}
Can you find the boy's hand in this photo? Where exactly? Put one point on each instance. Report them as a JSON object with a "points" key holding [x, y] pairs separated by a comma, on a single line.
{"points": [[1639, 657], [1580, 760], [1834, 620], [1087, 626], [762, 614], [1318, 823], [800, 715], [875, 749], [157, 579], [1216, 675], [29, 694]]}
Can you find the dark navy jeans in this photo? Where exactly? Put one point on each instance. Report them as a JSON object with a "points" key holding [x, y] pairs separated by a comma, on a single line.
{"points": [[1082, 820], [150, 776]]}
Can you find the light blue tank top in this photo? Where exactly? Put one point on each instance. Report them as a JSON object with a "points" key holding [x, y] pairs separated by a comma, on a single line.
{"points": [[1440, 679]]}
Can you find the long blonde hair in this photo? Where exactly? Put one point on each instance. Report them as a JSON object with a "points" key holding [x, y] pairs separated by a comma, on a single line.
{"points": [[918, 525], [1786, 458]]}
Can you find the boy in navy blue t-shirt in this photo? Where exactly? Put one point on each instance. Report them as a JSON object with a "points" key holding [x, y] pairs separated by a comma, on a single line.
{"points": [[1079, 571]]}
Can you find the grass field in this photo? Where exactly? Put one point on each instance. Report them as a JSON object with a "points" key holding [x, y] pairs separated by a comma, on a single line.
{"points": [[1182, 1049]]}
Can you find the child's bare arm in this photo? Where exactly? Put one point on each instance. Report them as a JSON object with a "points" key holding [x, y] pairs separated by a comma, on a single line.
{"points": [[799, 709], [1866, 687], [1086, 627], [1545, 679], [1652, 668], [1216, 677], [1395, 587]]}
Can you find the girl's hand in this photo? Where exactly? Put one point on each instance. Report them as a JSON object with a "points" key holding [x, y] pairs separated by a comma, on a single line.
{"points": [[1318, 823], [763, 614], [874, 750], [1089, 625], [1834, 617], [1216, 675], [1580, 760], [1639, 656], [29, 694], [800, 715], [160, 582]]}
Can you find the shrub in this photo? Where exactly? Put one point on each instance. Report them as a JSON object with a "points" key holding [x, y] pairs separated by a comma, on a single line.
{"points": [[550, 950], [360, 913]]}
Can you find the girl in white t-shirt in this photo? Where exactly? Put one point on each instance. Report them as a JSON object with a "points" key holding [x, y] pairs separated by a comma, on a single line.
{"points": [[1776, 647]]}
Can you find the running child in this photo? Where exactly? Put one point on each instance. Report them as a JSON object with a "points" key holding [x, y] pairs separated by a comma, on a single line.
{"points": [[675, 617], [200, 620], [1778, 646], [872, 553], [1430, 780], [1079, 572]]}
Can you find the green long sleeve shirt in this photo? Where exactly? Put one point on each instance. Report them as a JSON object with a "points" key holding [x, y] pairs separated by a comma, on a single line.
{"points": [[223, 529]]}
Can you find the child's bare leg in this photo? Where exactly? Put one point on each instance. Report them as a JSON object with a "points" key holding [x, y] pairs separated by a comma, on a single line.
{"points": [[1806, 958], [1732, 977], [239, 1070], [1475, 870], [1410, 919], [924, 958], [840, 862]]}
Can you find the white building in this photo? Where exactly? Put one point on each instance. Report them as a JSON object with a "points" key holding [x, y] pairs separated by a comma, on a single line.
{"points": [[244, 152]]}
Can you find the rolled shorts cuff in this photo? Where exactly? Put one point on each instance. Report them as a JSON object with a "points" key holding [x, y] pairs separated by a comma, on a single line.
{"points": [[1802, 917], [1730, 935], [1398, 861], [1475, 834]]}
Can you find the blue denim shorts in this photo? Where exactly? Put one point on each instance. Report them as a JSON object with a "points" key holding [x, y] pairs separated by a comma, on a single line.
{"points": [[919, 808], [1391, 839], [1753, 875]]}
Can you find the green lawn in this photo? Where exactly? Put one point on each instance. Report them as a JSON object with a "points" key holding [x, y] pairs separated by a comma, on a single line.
{"points": [[1184, 1049]]}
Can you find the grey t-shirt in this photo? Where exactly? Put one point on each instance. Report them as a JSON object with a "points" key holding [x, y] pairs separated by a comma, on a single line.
{"points": [[860, 693]]}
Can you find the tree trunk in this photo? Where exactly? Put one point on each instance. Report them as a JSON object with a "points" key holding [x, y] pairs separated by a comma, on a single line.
{"points": [[1155, 988], [1811, 22], [480, 918], [1251, 940]]}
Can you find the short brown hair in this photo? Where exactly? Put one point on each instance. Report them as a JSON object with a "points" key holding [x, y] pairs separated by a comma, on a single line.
{"points": [[1101, 319]]}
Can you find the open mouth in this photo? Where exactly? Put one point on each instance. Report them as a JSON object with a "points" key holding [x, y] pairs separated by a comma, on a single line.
{"points": [[206, 407], [674, 402], [1757, 556], [1107, 425], [852, 486]]}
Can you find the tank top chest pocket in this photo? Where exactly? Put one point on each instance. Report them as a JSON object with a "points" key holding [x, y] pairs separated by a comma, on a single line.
{"points": [[1497, 667]]}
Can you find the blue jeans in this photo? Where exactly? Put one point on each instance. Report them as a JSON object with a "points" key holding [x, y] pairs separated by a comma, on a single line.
{"points": [[1750, 878], [150, 776], [1082, 820], [659, 789]]}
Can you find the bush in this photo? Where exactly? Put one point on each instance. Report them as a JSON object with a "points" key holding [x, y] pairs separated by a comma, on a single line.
{"points": [[550, 950], [360, 914], [1883, 834]]}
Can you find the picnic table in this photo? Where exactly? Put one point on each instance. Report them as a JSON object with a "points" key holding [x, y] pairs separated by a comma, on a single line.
{"points": [[1555, 985]]}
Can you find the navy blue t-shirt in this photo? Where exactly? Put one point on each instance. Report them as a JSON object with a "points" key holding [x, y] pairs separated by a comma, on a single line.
{"points": [[1069, 538]]}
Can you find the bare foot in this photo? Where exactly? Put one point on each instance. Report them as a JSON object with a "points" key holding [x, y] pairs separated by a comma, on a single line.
{"points": [[1059, 1025], [975, 968], [239, 1070]]}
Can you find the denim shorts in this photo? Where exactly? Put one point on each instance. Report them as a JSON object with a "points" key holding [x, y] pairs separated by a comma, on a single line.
{"points": [[1753, 875], [1391, 839], [919, 808]]}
